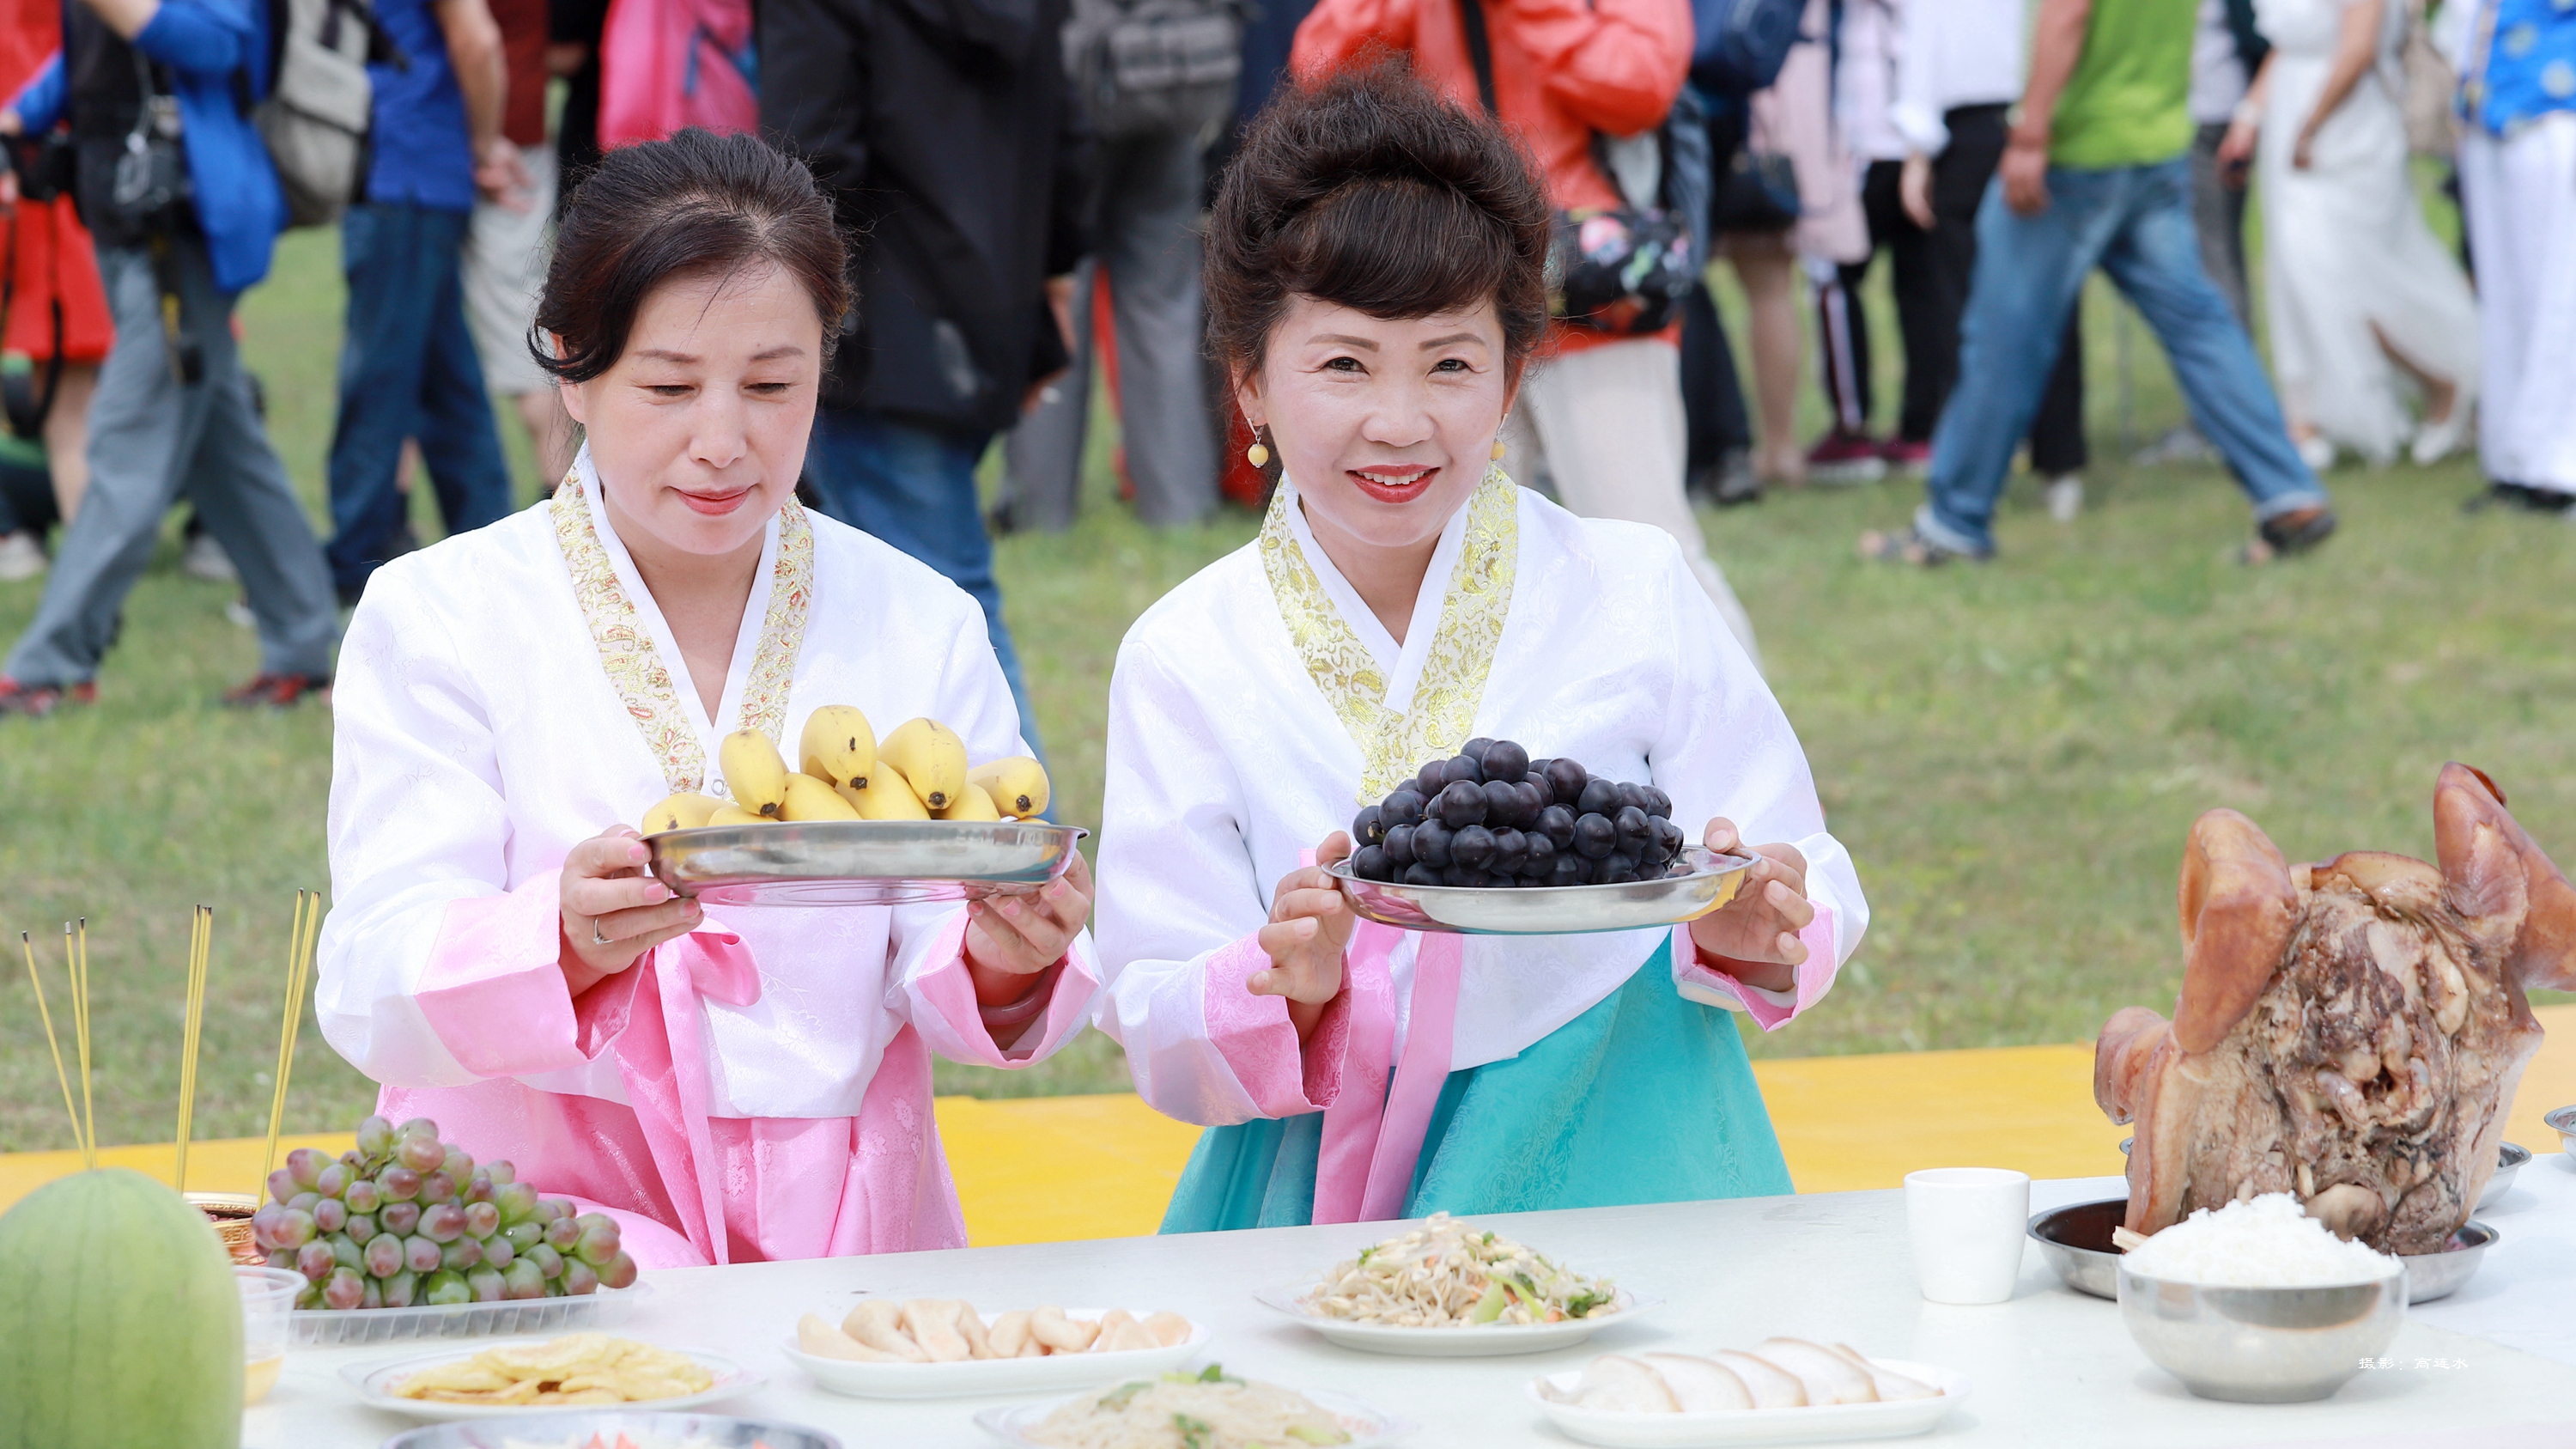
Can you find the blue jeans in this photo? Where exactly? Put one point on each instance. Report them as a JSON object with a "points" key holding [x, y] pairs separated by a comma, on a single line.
{"points": [[914, 487], [407, 370], [2135, 223]]}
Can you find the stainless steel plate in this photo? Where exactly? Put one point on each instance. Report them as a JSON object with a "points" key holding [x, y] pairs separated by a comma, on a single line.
{"points": [[2076, 1241], [608, 1424], [1551, 910], [861, 862]]}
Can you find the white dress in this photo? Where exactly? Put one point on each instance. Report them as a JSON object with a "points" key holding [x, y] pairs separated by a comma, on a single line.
{"points": [[2348, 258]]}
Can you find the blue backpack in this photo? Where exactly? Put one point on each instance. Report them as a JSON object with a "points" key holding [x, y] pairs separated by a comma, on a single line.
{"points": [[1738, 45]]}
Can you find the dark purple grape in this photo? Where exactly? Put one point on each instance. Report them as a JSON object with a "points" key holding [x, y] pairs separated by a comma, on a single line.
{"points": [[1632, 795], [399, 1183], [1607, 869], [1463, 769], [1556, 822], [399, 1218], [1595, 836], [1672, 836], [330, 1215], [364, 1196], [361, 1228], [385, 1255], [1658, 804], [1538, 770], [1511, 852], [1404, 807], [1399, 847], [421, 1255], [1431, 844], [1655, 850], [1502, 802], [460, 1255], [1473, 848], [1534, 800], [1505, 760], [1567, 779], [1431, 779], [1538, 855], [346, 1289], [437, 1188], [1600, 797], [1634, 828], [1569, 869], [401, 1290], [1370, 863], [1462, 805], [315, 1260], [1475, 749], [1418, 874], [1459, 875], [1367, 827]]}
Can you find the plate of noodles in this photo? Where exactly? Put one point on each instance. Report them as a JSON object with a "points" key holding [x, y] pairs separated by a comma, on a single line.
{"points": [[1208, 1409], [1450, 1289]]}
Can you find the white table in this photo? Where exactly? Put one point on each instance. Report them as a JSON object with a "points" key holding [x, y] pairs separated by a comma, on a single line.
{"points": [[2050, 1368]]}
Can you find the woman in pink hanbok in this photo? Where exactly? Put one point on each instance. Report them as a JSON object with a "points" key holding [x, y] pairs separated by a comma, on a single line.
{"points": [[732, 1084]]}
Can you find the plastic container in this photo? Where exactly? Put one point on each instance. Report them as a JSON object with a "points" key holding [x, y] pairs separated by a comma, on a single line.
{"points": [[607, 1308], [268, 1303]]}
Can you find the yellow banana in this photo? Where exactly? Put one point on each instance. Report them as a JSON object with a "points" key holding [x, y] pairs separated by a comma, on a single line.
{"points": [[736, 815], [753, 771], [1018, 786], [811, 799], [971, 804], [838, 746], [680, 812], [931, 758], [887, 796]]}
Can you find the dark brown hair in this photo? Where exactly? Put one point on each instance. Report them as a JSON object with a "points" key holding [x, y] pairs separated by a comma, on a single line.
{"points": [[1369, 190], [695, 204]]}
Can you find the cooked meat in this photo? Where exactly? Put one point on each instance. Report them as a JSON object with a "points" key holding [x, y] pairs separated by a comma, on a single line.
{"points": [[2350, 1032]]}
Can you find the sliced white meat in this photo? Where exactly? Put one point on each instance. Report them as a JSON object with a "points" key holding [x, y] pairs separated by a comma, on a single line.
{"points": [[1619, 1383], [1699, 1385], [1823, 1373], [1771, 1386], [1893, 1387]]}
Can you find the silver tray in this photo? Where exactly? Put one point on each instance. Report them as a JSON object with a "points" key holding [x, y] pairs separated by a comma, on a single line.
{"points": [[2076, 1241], [861, 862], [1550, 910], [578, 1429]]}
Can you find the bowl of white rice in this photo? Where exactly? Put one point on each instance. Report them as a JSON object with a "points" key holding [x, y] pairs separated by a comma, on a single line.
{"points": [[2256, 1302]]}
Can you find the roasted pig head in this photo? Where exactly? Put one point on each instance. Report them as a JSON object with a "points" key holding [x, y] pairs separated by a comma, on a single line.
{"points": [[2350, 1032]]}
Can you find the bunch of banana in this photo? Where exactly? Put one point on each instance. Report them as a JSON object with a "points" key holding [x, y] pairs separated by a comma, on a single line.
{"points": [[919, 772]]}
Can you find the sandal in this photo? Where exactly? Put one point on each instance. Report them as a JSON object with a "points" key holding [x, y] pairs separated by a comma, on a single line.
{"points": [[1906, 546]]}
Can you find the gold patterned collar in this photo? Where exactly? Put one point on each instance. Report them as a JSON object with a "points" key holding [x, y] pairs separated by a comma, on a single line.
{"points": [[635, 666], [1452, 684]]}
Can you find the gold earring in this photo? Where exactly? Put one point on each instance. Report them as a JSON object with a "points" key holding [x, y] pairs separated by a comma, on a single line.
{"points": [[1259, 453], [1500, 447]]}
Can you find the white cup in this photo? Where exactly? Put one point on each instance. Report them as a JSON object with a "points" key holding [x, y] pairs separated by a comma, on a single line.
{"points": [[1967, 1224]]}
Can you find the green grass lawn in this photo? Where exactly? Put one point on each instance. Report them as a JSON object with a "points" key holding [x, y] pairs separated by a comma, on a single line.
{"points": [[2012, 752]]}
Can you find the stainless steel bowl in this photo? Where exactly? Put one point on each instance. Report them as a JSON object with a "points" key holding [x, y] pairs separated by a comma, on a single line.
{"points": [[2261, 1345], [577, 1429], [2438, 1275], [2076, 1242], [1551, 910], [2509, 1160], [2563, 1122], [860, 862]]}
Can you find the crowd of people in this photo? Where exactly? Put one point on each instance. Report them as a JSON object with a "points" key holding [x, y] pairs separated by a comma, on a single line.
{"points": [[1026, 189]]}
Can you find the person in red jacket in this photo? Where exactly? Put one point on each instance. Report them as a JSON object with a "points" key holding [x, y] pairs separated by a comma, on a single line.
{"points": [[1603, 418]]}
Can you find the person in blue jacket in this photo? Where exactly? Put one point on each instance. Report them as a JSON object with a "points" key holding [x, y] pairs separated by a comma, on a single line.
{"points": [[170, 82]]}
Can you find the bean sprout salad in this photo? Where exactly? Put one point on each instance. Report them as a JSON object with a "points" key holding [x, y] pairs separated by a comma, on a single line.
{"points": [[1449, 1274]]}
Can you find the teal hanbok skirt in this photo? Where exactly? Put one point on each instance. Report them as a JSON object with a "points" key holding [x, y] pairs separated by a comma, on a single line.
{"points": [[1644, 1098]]}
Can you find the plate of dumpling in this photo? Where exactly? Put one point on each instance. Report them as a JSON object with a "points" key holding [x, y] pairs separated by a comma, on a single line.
{"points": [[936, 1348], [1781, 1391]]}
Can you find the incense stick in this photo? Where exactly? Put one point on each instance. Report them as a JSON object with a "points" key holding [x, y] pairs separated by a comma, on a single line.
{"points": [[201, 945], [27, 944], [77, 948], [307, 930]]}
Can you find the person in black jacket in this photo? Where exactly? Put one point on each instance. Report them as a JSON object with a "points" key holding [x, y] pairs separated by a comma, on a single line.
{"points": [[946, 135]]}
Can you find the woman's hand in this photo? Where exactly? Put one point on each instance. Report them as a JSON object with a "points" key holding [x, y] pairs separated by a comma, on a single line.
{"points": [[612, 911], [1310, 928], [2302, 151], [2025, 171], [1914, 189], [1012, 938], [1756, 934], [2236, 150]]}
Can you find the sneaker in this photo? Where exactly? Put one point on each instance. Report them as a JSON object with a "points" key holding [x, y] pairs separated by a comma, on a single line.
{"points": [[238, 612], [39, 700], [2289, 533], [204, 558], [1727, 482], [2436, 441], [2065, 496], [1846, 458], [278, 691], [21, 558], [1906, 457], [1905, 546], [2184, 445]]}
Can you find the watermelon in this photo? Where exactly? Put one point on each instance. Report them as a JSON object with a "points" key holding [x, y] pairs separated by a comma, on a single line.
{"points": [[120, 1325]]}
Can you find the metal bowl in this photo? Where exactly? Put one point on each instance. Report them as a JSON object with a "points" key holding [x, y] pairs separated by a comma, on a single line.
{"points": [[2509, 1160], [861, 862], [577, 1429], [2261, 1345], [1551, 910], [2076, 1242], [2438, 1275], [2563, 1122]]}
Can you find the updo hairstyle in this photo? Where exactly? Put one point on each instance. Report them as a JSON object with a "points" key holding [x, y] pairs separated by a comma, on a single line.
{"points": [[1369, 190], [694, 205]]}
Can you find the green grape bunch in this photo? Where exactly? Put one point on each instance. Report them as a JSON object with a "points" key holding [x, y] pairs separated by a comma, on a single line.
{"points": [[404, 1220]]}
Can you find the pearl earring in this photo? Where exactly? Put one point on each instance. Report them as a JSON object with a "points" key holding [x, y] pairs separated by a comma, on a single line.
{"points": [[1500, 447], [1259, 453]]}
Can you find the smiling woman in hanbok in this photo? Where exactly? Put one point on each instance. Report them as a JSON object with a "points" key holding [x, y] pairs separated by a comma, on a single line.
{"points": [[735, 1084], [1375, 282]]}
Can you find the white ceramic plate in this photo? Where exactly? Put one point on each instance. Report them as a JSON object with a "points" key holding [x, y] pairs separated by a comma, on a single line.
{"points": [[375, 1382], [1755, 1426], [1368, 1427], [1485, 1340], [996, 1375]]}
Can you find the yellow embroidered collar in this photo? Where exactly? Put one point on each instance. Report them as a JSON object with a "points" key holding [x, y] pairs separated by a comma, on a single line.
{"points": [[635, 668], [1472, 611]]}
